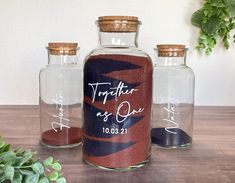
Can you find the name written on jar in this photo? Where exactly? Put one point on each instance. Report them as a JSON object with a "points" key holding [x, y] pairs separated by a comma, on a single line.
{"points": [[60, 118], [171, 118], [115, 92]]}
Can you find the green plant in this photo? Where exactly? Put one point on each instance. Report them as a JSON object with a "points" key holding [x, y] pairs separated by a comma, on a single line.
{"points": [[215, 19], [21, 166]]}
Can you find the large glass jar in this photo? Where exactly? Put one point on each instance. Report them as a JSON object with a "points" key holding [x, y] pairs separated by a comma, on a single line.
{"points": [[173, 98], [117, 98], [60, 97]]}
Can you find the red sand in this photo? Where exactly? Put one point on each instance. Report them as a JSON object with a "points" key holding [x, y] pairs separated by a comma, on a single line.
{"points": [[65, 136]]}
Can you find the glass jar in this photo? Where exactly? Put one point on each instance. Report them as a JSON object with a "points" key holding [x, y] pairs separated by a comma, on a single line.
{"points": [[60, 97], [117, 98], [173, 98]]}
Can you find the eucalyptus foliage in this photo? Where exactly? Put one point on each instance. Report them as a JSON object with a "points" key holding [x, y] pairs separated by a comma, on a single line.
{"points": [[216, 19], [21, 166]]}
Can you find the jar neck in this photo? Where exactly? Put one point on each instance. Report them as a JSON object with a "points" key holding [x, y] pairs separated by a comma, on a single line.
{"points": [[118, 39], [62, 59], [171, 61]]}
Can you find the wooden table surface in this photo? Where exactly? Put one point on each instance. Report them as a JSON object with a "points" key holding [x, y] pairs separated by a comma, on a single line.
{"points": [[211, 159]]}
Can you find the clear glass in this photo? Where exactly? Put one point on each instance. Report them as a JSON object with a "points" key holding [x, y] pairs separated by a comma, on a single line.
{"points": [[173, 103], [60, 101], [117, 103]]}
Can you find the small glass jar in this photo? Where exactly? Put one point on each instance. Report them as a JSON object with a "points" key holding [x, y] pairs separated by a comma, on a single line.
{"points": [[60, 97], [173, 98], [117, 98]]}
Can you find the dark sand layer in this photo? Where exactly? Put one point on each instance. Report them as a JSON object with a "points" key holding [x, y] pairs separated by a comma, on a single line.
{"points": [[163, 138]]}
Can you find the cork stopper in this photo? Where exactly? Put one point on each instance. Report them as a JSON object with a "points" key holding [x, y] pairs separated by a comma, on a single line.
{"points": [[118, 23], [171, 50], [62, 48]]}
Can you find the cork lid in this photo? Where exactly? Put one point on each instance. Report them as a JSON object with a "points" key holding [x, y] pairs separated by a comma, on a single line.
{"points": [[118, 23], [61, 48], [171, 50]]}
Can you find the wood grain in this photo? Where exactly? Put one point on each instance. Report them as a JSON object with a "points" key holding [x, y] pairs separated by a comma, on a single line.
{"points": [[210, 160]]}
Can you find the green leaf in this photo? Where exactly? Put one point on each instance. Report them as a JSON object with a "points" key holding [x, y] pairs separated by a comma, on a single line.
{"points": [[203, 41], [230, 5], [196, 18], [211, 26], [32, 178], [2, 143], [38, 168], [26, 157], [5, 148], [9, 172], [2, 178], [48, 161], [211, 42], [217, 3], [56, 166], [7, 157], [25, 172], [226, 44], [53, 176], [208, 10], [17, 161], [208, 51], [61, 180], [17, 178], [19, 150], [43, 180], [203, 37]]}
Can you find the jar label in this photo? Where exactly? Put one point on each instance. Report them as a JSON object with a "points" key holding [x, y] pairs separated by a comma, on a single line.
{"points": [[117, 110]]}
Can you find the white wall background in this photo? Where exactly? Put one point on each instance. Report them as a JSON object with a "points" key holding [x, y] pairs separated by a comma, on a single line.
{"points": [[26, 26]]}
